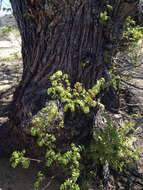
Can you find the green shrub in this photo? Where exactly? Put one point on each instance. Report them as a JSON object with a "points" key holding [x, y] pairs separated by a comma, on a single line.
{"points": [[112, 144], [6, 31], [132, 33]]}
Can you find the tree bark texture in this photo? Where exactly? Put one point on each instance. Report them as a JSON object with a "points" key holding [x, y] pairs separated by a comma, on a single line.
{"points": [[62, 35]]}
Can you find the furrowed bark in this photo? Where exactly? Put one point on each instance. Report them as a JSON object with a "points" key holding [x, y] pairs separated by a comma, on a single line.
{"points": [[63, 35]]}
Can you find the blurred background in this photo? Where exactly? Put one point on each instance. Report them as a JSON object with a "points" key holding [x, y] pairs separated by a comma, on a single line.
{"points": [[5, 7]]}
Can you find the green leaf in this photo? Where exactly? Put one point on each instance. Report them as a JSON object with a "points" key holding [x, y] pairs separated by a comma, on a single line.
{"points": [[33, 131], [109, 7], [25, 163], [86, 110], [15, 154], [58, 74], [66, 107]]}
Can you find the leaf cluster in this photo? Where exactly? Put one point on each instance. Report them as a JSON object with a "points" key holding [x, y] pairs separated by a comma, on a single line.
{"points": [[132, 33], [18, 158], [69, 159], [113, 144], [104, 16], [77, 97]]}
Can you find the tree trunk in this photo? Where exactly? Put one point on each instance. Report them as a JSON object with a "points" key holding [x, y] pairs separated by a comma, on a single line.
{"points": [[63, 35]]}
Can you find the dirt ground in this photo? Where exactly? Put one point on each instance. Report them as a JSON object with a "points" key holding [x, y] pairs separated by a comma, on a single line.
{"points": [[10, 69], [22, 179]]}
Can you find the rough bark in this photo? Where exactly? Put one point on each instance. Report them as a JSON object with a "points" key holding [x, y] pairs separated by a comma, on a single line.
{"points": [[62, 35], [139, 13]]}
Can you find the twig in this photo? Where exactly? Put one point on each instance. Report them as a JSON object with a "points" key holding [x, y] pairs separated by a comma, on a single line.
{"points": [[134, 104], [46, 186], [130, 75], [137, 77], [35, 160], [133, 85]]}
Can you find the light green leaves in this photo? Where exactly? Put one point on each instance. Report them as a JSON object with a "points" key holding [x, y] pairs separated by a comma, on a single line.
{"points": [[109, 8], [18, 158], [103, 17], [76, 98], [40, 178], [113, 144], [132, 33]]}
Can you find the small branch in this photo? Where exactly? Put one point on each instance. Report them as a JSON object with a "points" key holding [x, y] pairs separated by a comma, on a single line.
{"points": [[135, 104], [130, 75], [31, 159], [46, 186], [136, 77], [133, 85]]}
